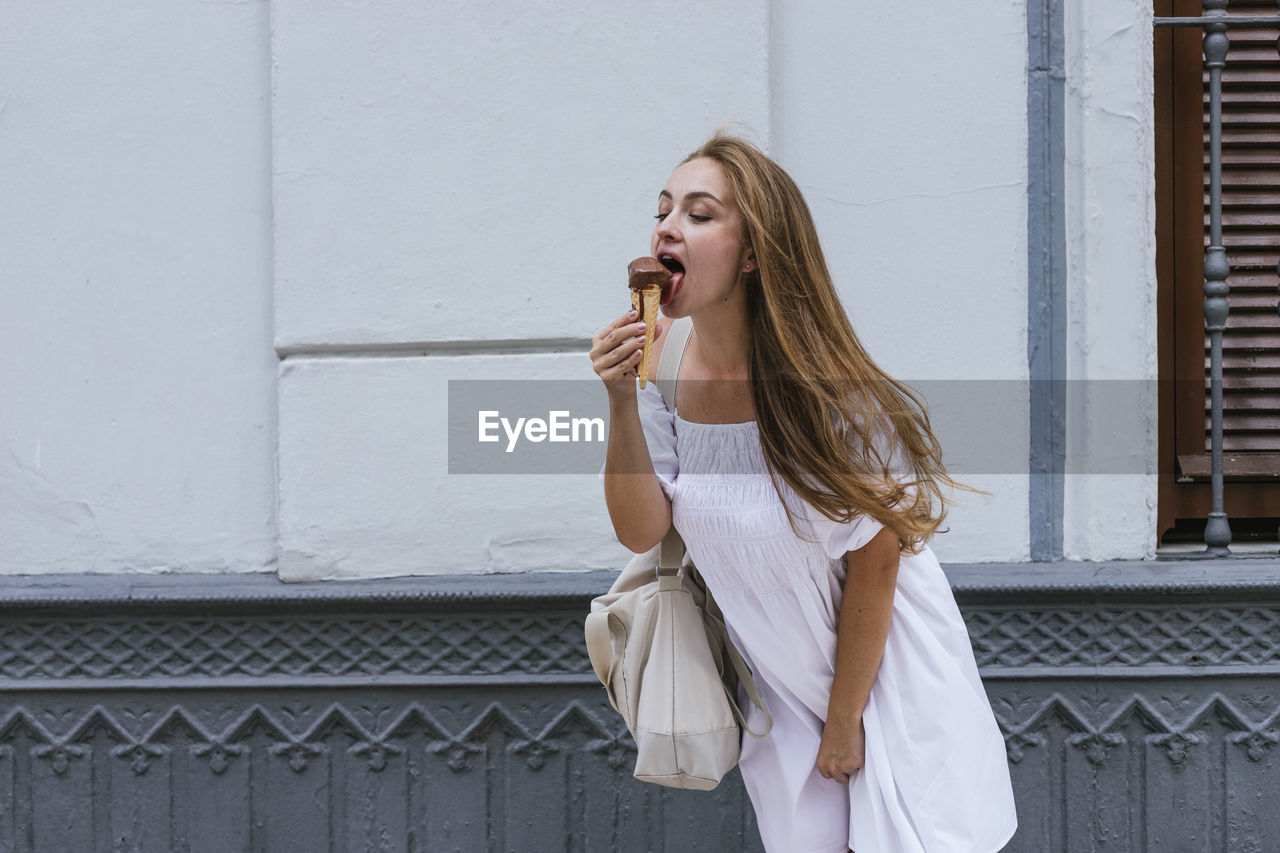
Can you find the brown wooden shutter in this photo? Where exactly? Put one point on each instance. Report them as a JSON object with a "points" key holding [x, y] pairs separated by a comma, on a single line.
{"points": [[1251, 235]]}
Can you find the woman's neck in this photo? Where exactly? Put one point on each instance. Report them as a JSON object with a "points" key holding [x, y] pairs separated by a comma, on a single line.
{"points": [[722, 342]]}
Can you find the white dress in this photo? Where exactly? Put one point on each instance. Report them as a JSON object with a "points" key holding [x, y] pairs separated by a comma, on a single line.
{"points": [[935, 777]]}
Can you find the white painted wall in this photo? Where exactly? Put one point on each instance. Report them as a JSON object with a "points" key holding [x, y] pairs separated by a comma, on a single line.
{"points": [[426, 251], [908, 136], [430, 189], [137, 378], [471, 171], [1111, 332], [453, 175]]}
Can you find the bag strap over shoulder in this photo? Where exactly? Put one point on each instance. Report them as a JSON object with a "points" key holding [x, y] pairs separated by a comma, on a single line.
{"points": [[671, 554], [669, 368]]}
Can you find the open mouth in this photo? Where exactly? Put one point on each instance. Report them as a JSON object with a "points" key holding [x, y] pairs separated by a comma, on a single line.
{"points": [[677, 276]]}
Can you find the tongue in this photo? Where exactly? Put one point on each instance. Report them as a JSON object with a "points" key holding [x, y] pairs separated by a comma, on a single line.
{"points": [[670, 291]]}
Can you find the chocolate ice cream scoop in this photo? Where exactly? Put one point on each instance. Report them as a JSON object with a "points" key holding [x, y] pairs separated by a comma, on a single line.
{"points": [[647, 272]]}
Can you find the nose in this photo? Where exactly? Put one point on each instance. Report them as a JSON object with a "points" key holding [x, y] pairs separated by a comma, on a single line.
{"points": [[666, 228]]}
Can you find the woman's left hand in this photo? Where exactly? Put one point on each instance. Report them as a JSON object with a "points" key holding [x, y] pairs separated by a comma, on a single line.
{"points": [[843, 746]]}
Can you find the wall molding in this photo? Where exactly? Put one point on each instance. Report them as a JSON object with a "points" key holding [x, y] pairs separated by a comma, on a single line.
{"points": [[1243, 573], [228, 631]]}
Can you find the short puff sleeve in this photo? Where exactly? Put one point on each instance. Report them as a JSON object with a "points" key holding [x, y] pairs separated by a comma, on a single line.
{"points": [[659, 427], [838, 538]]}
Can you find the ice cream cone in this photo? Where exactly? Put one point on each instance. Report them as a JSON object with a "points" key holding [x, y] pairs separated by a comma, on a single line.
{"points": [[646, 277]]}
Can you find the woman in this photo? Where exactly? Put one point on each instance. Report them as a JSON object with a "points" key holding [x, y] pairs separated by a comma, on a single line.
{"points": [[803, 478]]}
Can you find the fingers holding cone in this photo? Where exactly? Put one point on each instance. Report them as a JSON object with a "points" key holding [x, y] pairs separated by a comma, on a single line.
{"points": [[637, 305]]}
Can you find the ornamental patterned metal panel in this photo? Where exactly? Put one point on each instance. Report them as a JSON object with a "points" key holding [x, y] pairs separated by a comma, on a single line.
{"points": [[1132, 636], [349, 645]]}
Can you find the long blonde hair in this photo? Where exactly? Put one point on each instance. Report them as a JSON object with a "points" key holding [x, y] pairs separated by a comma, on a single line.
{"points": [[821, 403]]}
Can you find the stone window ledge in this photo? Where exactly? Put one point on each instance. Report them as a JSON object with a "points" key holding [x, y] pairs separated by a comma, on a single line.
{"points": [[1236, 576]]}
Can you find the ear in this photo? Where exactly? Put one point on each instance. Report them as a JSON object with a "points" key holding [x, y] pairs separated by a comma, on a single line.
{"points": [[749, 262]]}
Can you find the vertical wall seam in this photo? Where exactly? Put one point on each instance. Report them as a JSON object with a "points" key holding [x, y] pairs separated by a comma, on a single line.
{"points": [[272, 278], [1046, 280]]}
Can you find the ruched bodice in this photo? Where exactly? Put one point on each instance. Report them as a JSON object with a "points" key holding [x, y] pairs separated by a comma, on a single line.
{"points": [[726, 503]]}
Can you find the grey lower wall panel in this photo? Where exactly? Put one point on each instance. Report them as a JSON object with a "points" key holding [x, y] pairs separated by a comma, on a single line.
{"points": [[1141, 710], [348, 769], [1144, 766]]}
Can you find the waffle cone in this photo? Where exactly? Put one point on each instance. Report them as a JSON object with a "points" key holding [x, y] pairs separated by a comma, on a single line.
{"points": [[637, 305], [650, 297]]}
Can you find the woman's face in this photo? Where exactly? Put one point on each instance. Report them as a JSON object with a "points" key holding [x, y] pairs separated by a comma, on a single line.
{"points": [[701, 237]]}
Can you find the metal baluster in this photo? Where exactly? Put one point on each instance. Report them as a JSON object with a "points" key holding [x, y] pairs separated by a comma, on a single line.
{"points": [[1217, 530]]}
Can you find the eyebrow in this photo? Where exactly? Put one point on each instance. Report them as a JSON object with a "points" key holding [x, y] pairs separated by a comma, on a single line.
{"points": [[694, 194]]}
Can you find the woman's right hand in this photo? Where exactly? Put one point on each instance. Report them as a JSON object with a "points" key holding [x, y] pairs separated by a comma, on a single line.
{"points": [[615, 354]]}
